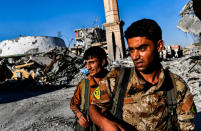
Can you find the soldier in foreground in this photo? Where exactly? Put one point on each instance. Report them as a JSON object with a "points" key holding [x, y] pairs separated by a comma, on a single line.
{"points": [[147, 97], [92, 89]]}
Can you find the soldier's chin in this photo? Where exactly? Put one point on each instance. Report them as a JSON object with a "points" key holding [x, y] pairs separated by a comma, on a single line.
{"points": [[139, 68], [91, 74]]}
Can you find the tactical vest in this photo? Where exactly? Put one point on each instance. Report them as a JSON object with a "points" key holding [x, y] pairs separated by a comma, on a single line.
{"points": [[85, 102], [120, 90]]}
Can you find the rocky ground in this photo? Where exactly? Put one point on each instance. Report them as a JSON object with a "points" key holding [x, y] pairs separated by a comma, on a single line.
{"points": [[47, 109]]}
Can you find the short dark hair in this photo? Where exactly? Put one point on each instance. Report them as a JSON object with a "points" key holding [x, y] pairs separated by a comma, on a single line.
{"points": [[95, 52], [144, 28]]}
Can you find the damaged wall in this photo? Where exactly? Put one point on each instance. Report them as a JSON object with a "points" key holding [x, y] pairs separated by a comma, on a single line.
{"points": [[189, 22], [29, 45], [56, 67]]}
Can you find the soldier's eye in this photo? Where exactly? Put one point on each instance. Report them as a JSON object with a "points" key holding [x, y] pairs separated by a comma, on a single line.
{"points": [[130, 50], [143, 48]]}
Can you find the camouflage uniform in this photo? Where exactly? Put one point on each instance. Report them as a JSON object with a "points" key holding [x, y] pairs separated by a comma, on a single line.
{"points": [[107, 86], [145, 105], [104, 102]]}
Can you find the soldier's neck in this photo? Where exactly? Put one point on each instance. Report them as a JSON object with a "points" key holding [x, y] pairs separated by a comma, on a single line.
{"points": [[100, 76], [153, 76]]}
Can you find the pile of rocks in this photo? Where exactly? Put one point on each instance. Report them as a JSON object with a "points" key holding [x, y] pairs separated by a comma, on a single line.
{"points": [[56, 67], [189, 68]]}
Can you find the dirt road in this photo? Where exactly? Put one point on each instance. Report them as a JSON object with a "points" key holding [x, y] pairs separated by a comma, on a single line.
{"points": [[46, 110]]}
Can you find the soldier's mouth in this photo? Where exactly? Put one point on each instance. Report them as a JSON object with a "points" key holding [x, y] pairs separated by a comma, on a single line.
{"points": [[138, 64]]}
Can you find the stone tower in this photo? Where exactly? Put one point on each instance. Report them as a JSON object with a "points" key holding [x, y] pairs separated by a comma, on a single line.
{"points": [[114, 31]]}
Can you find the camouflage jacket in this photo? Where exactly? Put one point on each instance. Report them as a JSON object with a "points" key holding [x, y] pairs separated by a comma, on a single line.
{"points": [[145, 105], [100, 93]]}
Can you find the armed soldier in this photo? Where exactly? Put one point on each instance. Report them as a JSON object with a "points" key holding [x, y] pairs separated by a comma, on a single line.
{"points": [[92, 89], [147, 97]]}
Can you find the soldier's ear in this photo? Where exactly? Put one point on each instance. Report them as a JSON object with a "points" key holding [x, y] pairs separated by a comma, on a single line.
{"points": [[160, 45], [103, 62]]}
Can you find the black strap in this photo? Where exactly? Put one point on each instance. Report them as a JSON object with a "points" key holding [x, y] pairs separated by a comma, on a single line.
{"points": [[119, 93], [171, 96], [87, 95], [171, 102]]}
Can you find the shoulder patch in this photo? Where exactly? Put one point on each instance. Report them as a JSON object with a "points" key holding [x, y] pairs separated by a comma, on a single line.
{"points": [[97, 93], [187, 105]]}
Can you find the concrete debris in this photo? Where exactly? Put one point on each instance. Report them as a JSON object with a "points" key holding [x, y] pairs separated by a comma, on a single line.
{"points": [[87, 37], [173, 51], [29, 45], [189, 21], [126, 62], [56, 67], [189, 68]]}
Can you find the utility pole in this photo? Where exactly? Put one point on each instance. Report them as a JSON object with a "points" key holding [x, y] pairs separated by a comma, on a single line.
{"points": [[114, 31]]}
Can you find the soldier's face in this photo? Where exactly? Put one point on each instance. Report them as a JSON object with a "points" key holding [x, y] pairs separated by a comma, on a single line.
{"points": [[94, 66], [143, 53]]}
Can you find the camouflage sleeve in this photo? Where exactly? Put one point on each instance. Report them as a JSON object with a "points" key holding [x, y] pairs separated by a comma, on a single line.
{"points": [[186, 110], [106, 90], [114, 73], [76, 99]]}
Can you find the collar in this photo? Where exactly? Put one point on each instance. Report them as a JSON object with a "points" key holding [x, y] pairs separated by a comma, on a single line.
{"points": [[140, 82], [93, 83]]}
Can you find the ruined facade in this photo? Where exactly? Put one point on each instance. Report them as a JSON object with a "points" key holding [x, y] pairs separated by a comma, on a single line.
{"points": [[87, 37], [190, 22], [114, 31], [29, 45]]}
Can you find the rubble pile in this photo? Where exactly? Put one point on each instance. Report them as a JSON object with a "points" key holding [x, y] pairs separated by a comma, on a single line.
{"points": [[189, 22], [56, 67], [63, 67], [189, 68], [126, 62]]}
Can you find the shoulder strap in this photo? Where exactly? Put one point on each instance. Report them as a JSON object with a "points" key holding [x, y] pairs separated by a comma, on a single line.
{"points": [[172, 103], [85, 94], [85, 102], [119, 93], [171, 95]]}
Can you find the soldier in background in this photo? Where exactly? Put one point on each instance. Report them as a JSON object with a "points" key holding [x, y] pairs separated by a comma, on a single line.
{"points": [[92, 89], [147, 97]]}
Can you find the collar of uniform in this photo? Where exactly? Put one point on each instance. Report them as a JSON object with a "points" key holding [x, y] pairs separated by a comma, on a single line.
{"points": [[138, 79], [93, 83], [140, 82]]}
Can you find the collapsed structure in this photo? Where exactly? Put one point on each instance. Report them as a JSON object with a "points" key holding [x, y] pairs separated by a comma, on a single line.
{"points": [[173, 51], [39, 60], [190, 22], [189, 66], [87, 37], [29, 45]]}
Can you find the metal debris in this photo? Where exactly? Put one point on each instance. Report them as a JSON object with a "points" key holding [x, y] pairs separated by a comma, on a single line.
{"points": [[55, 68]]}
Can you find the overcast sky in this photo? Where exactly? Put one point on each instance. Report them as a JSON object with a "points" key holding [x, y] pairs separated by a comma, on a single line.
{"points": [[48, 17]]}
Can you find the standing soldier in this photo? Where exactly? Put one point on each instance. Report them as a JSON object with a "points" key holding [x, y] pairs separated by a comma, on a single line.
{"points": [[92, 89], [148, 97]]}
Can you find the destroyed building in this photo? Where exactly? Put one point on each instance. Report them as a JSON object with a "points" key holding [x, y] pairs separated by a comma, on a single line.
{"points": [[190, 22], [87, 37], [39, 60], [29, 45], [173, 51]]}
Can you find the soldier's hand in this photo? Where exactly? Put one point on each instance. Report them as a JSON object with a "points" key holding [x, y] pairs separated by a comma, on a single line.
{"points": [[84, 122], [111, 126]]}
